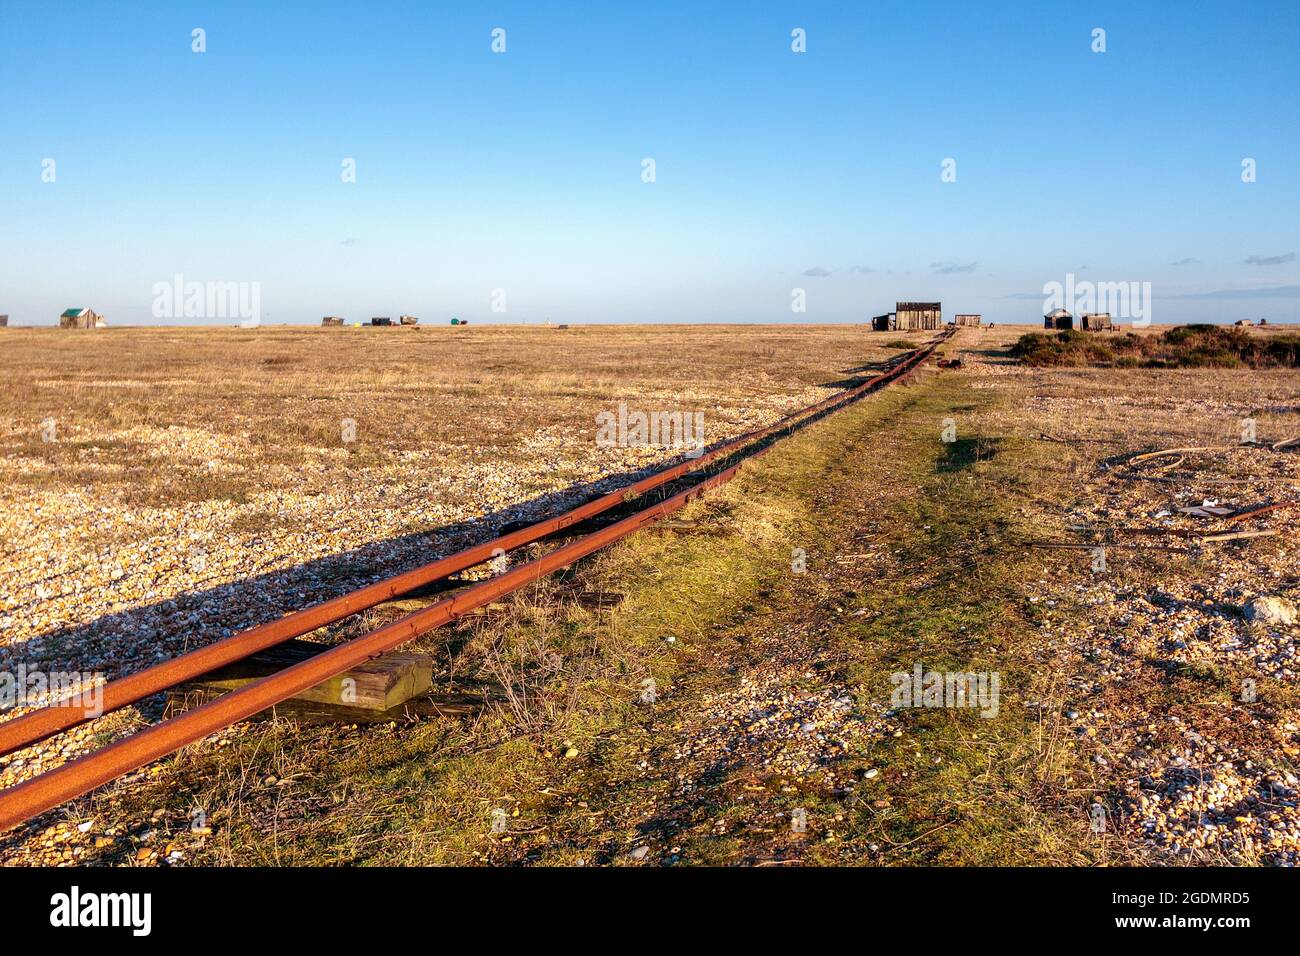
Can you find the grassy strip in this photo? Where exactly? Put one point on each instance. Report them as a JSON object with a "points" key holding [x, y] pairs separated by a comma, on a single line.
{"points": [[949, 591], [957, 787]]}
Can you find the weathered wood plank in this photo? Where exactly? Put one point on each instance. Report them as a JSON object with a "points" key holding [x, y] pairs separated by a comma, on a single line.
{"points": [[378, 684]]}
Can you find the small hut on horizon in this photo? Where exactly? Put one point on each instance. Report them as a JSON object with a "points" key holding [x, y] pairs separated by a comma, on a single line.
{"points": [[1059, 319], [1096, 322], [968, 319], [81, 317], [332, 320]]}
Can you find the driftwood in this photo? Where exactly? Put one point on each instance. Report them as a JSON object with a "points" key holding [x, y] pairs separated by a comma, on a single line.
{"points": [[1150, 455], [1080, 546], [1264, 509], [1235, 536], [1286, 444], [1193, 538]]}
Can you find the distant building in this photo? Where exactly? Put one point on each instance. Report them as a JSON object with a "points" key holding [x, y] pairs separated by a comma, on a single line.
{"points": [[910, 316], [332, 320], [1243, 322], [81, 318], [1096, 322], [409, 320], [4, 320], [381, 320], [883, 323], [967, 318], [1058, 319]]}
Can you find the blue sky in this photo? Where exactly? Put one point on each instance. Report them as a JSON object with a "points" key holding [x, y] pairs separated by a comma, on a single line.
{"points": [[522, 171]]}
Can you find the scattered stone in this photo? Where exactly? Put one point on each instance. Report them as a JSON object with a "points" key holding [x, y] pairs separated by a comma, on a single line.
{"points": [[1271, 610]]}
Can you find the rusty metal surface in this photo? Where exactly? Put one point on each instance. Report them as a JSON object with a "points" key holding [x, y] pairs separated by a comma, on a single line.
{"points": [[92, 770]]}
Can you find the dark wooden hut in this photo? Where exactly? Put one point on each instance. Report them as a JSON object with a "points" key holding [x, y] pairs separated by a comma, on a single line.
{"points": [[1058, 319], [910, 316]]}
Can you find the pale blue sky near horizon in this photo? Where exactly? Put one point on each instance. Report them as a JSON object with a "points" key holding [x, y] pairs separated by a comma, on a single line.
{"points": [[775, 170]]}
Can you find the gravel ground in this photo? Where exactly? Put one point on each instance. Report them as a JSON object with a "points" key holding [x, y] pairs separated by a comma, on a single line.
{"points": [[779, 729], [1192, 706]]}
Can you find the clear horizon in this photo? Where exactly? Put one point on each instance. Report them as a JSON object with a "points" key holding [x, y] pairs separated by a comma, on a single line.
{"points": [[1018, 156]]}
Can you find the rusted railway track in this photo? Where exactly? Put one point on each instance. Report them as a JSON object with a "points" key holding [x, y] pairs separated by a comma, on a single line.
{"points": [[79, 776]]}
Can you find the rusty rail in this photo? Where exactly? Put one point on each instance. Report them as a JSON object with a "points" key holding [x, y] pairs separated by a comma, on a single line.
{"points": [[79, 776]]}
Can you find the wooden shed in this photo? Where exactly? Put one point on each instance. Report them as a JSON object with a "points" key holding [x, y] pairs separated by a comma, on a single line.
{"points": [[1096, 322], [4, 320], [910, 316], [1058, 319], [409, 320], [882, 323], [332, 320], [970, 319], [381, 320], [81, 318]]}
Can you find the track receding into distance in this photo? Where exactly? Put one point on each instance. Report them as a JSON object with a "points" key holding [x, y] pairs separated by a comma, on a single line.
{"points": [[77, 777]]}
